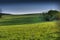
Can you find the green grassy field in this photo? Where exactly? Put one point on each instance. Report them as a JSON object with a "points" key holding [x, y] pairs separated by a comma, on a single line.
{"points": [[28, 28]]}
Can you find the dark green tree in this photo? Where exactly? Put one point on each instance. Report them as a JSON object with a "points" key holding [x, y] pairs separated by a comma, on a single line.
{"points": [[51, 15], [0, 13]]}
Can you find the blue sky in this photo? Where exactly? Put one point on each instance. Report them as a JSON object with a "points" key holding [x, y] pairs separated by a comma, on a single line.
{"points": [[24, 8]]}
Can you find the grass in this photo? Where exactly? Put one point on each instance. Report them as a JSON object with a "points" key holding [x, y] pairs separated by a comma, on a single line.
{"points": [[33, 30], [14, 20]]}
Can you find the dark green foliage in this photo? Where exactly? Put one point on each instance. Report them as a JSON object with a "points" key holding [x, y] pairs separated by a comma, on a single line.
{"points": [[52, 12], [51, 15], [0, 15]]}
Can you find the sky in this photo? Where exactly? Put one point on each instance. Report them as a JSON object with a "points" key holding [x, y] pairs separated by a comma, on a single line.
{"points": [[27, 7]]}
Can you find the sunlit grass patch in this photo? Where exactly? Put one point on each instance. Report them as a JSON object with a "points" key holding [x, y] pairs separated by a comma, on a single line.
{"points": [[36, 31]]}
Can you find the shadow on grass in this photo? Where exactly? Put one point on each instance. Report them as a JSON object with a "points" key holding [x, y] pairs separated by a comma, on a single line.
{"points": [[19, 21]]}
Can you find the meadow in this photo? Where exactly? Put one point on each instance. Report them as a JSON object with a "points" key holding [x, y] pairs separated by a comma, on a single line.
{"points": [[30, 27]]}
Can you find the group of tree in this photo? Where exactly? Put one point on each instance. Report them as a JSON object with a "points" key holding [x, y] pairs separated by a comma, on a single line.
{"points": [[51, 15]]}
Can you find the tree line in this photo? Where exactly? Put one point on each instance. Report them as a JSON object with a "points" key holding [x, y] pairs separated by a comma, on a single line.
{"points": [[51, 15]]}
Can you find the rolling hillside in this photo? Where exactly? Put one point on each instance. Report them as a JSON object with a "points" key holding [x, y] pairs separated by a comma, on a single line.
{"points": [[30, 27]]}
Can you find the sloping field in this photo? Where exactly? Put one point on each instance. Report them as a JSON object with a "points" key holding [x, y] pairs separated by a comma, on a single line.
{"points": [[28, 28], [36, 31]]}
